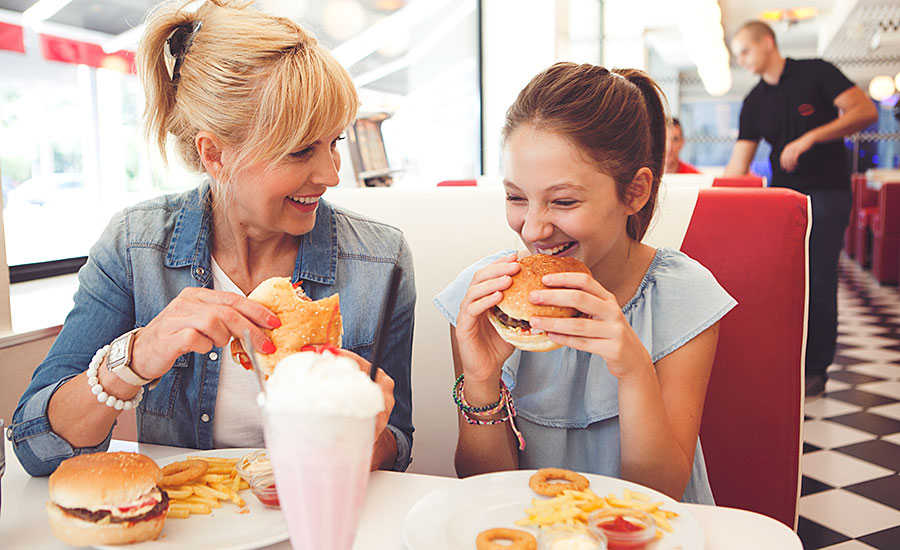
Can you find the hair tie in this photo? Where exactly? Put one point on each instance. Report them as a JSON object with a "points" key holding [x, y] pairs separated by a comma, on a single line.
{"points": [[179, 44]]}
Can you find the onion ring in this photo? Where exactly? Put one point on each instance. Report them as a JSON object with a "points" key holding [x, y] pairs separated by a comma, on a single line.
{"points": [[183, 472], [518, 539], [541, 483]]}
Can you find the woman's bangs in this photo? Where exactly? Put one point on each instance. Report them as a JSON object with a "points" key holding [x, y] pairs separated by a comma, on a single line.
{"points": [[305, 100]]}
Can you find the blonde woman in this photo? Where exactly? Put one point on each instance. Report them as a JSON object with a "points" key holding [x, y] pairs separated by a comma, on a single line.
{"points": [[255, 103]]}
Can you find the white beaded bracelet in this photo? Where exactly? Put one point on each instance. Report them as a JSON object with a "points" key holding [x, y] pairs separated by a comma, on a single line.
{"points": [[97, 389]]}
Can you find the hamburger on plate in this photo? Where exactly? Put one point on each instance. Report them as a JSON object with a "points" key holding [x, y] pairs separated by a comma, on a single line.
{"points": [[512, 315], [106, 498], [303, 322]]}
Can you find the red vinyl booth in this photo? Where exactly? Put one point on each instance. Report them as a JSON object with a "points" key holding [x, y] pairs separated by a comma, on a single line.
{"points": [[850, 234], [457, 183], [865, 206], [755, 241], [738, 181], [886, 234]]}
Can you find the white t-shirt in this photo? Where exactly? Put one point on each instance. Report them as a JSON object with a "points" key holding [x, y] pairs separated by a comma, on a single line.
{"points": [[238, 420]]}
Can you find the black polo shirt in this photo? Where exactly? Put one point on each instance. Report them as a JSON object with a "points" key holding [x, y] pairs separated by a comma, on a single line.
{"points": [[802, 100]]}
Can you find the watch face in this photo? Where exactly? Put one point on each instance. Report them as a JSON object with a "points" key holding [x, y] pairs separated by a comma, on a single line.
{"points": [[117, 350]]}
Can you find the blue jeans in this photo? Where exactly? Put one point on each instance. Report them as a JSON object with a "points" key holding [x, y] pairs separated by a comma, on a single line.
{"points": [[830, 213]]}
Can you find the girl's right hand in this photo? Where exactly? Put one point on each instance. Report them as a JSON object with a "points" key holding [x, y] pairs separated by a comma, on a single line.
{"points": [[482, 351], [195, 321]]}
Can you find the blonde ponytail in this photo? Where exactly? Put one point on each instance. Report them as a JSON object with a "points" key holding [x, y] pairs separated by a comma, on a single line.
{"points": [[259, 83]]}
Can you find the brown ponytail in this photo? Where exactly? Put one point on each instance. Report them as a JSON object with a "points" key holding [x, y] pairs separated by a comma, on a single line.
{"points": [[654, 99], [617, 118]]}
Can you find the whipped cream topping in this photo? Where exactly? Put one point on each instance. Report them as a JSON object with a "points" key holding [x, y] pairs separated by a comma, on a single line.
{"points": [[322, 383]]}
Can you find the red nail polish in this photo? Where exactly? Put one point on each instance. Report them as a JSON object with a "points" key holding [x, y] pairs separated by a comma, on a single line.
{"points": [[268, 347], [274, 321]]}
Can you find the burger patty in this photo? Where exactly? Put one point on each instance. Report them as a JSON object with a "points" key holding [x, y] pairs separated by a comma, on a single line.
{"points": [[87, 515], [510, 321]]}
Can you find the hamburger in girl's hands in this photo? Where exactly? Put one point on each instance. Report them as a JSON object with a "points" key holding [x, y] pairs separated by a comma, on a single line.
{"points": [[303, 322], [512, 315], [106, 498]]}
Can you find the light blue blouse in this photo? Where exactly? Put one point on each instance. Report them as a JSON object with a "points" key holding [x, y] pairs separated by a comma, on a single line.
{"points": [[567, 400]]}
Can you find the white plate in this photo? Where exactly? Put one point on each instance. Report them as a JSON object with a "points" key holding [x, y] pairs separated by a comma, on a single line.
{"points": [[224, 528], [451, 519]]}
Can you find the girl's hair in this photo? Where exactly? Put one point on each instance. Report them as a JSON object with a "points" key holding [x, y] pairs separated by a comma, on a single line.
{"points": [[616, 118], [259, 83]]}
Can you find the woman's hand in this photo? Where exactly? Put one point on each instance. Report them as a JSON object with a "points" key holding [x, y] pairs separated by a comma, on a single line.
{"points": [[385, 383], [195, 321], [481, 350], [603, 330]]}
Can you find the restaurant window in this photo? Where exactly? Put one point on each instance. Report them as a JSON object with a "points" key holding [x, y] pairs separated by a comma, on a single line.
{"points": [[71, 155], [72, 152]]}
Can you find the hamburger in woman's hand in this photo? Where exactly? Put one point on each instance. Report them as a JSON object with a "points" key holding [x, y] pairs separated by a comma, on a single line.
{"points": [[512, 315], [106, 498], [303, 322]]}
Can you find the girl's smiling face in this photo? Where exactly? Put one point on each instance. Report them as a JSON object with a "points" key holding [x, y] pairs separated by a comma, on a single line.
{"points": [[558, 201]]}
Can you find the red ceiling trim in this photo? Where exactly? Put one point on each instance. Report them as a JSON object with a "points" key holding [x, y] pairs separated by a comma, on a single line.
{"points": [[12, 37], [66, 50]]}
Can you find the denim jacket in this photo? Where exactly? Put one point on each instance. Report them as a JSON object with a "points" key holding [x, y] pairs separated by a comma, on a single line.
{"points": [[147, 255]]}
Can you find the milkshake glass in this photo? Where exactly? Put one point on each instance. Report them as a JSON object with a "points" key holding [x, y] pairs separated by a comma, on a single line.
{"points": [[319, 415]]}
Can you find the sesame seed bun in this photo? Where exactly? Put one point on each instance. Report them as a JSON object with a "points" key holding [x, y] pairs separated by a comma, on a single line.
{"points": [[303, 322], [515, 302], [102, 479], [90, 481]]}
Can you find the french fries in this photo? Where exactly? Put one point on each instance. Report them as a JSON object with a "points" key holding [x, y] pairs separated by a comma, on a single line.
{"points": [[199, 497], [572, 508]]}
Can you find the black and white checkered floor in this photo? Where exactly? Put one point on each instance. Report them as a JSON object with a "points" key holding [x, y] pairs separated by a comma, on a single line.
{"points": [[850, 498]]}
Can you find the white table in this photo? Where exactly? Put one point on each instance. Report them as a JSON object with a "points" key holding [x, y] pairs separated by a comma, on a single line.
{"points": [[23, 520]]}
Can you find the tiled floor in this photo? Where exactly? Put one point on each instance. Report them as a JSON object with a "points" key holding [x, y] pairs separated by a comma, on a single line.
{"points": [[850, 498]]}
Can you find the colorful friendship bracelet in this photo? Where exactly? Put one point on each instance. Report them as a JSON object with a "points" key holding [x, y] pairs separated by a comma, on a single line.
{"points": [[460, 400], [505, 401]]}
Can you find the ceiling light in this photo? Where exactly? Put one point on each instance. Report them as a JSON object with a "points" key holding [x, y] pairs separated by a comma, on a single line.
{"points": [[897, 81], [881, 87], [790, 15]]}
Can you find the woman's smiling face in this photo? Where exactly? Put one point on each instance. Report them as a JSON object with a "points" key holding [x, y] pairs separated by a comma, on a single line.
{"points": [[558, 201], [284, 198]]}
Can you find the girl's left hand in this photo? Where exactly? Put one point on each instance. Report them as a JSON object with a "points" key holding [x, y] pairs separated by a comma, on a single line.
{"points": [[603, 330]]}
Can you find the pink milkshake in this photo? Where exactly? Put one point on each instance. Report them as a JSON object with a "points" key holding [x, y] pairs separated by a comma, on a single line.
{"points": [[320, 425]]}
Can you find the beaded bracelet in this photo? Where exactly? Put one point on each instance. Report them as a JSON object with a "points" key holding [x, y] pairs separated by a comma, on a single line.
{"points": [[97, 389], [505, 402], [464, 406]]}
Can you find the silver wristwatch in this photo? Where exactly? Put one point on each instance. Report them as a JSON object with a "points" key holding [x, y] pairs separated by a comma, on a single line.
{"points": [[119, 359]]}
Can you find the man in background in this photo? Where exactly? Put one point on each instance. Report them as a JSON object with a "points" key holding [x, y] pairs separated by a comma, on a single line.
{"points": [[674, 143], [804, 108]]}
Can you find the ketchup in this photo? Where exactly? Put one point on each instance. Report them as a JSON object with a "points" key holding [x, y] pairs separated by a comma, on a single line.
{"points": [[620, 525], [622, 534], [268, 495]]}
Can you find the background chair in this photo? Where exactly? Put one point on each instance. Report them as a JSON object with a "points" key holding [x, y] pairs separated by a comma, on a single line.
{"points": [[864, 209], [886, 234], [739, 181]]}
